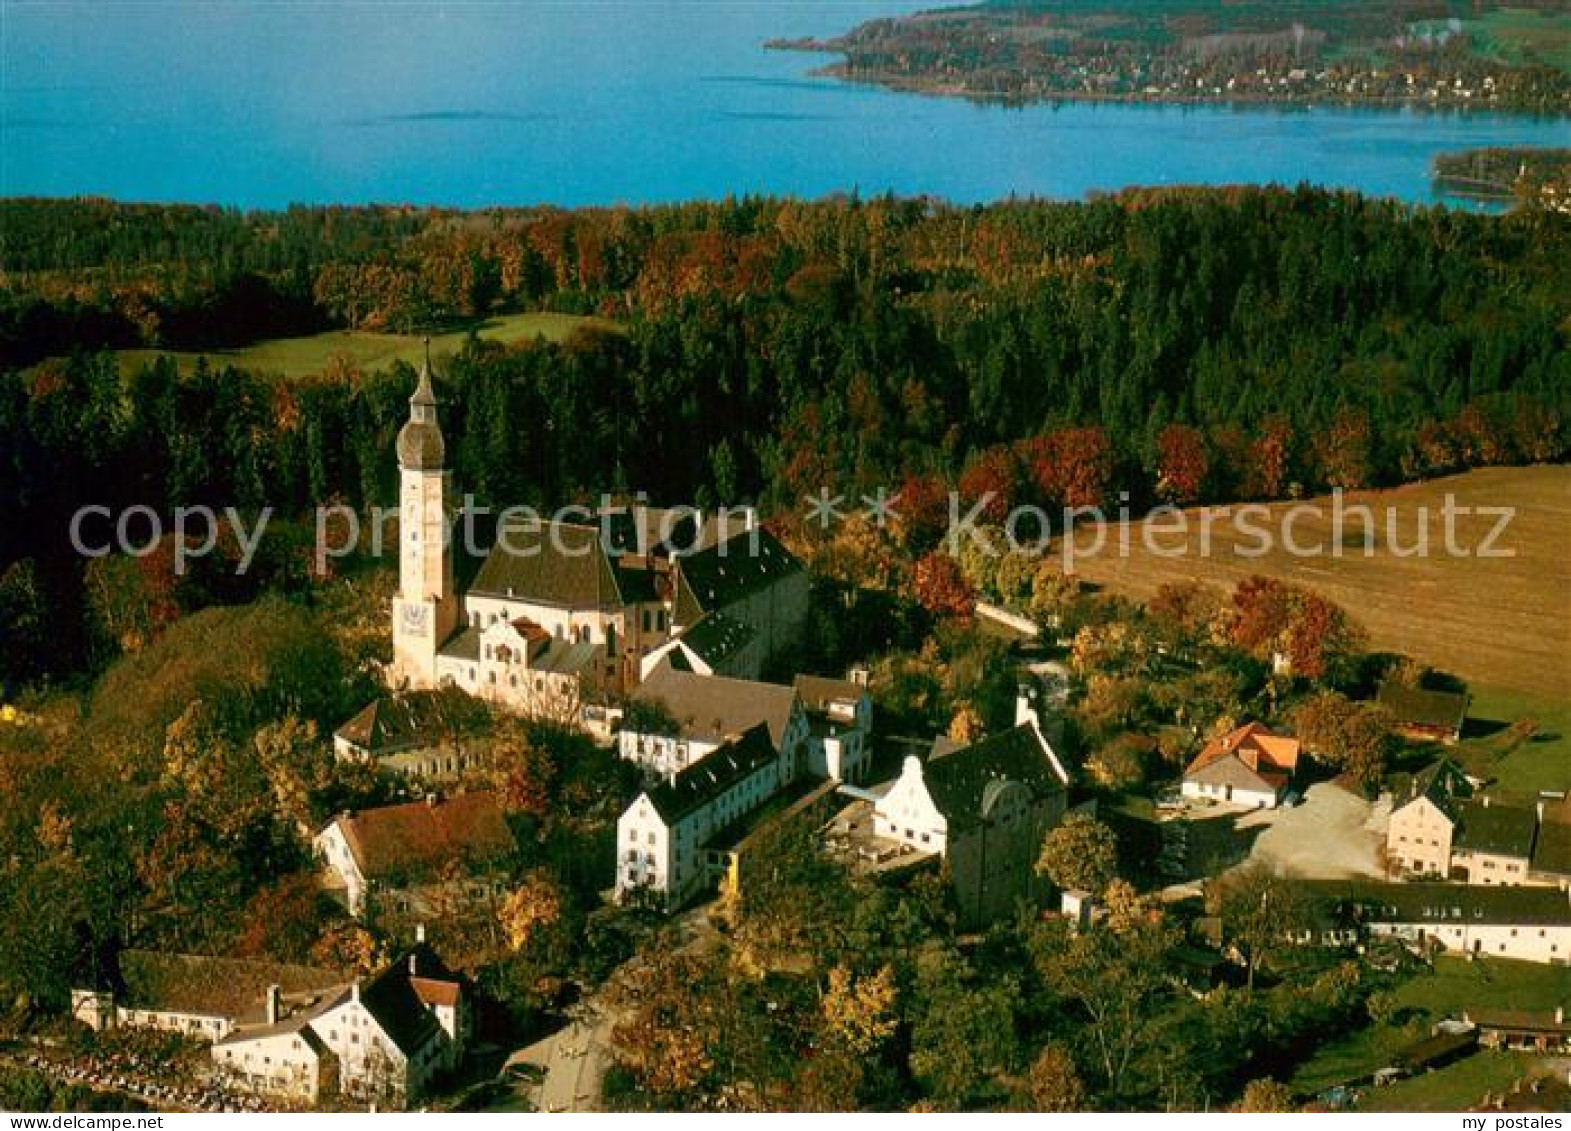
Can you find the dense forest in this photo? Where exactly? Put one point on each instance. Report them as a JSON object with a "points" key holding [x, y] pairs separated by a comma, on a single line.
{"points": [[1183, 345]]}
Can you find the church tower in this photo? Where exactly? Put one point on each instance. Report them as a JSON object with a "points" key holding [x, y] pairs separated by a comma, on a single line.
{"points": [[426, 609]]}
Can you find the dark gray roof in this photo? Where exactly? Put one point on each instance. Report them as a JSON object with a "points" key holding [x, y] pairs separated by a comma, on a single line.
{"points": [[959, 781], [1552, 853], [394, 1002], [715, 637], [1442, 783], [414, 719], [1502, 830], [565, 565], [463, 644], [709, 708], [712, 775], [728, 571], [1443, 903], [1419, 706], [211, 987]]}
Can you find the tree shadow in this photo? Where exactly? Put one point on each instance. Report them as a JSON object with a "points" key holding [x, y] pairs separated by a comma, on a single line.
{"points": [[1476, 728]]}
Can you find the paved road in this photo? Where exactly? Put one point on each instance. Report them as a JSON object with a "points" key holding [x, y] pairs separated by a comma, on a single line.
{"points": [[575, 1058]]}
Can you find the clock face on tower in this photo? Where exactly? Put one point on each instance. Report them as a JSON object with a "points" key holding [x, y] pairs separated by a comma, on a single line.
{"points": [[415, 620]]}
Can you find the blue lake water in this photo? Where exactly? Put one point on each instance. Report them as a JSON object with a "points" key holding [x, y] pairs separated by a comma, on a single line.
{"points": [[578, 102]]}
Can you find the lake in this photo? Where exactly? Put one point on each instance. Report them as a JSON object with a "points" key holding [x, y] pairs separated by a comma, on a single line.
{"points": [[576, 102]]}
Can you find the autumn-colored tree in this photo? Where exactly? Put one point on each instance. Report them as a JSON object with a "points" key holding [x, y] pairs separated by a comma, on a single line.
{"points": [[1270, 460], [1126, 908], [967, 726], [1318, 634], [667, 1025], [1054, 1084], [1072, 467], [1355, 738], [1111, 703], [349, 947], [859, 1012], [1262, 607], [286, 920], [533, 906], [1259, 911], [1182, 464], [940, 588], [1185, 611], [1266, 1095], [921, 510], [1053, 593], [1343, 449], [524, 771], [1482, 433], [1537, 430], [1270, 618], [1120, 763], [1081, 852], [991, 480]]}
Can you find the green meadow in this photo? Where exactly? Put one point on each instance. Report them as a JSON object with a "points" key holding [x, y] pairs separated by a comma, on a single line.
{"points": [[304, 357]]}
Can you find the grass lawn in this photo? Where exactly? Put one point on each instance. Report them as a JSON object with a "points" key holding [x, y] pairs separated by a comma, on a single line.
{"points": [[1455, 1087], [1518, 34], [1542, 762], [301, 357], [1422, 999]]}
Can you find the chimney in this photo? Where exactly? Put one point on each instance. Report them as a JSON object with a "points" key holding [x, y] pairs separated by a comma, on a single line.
{"points": [[1560, 1015], [273, 994], [414, 964], [1026, 706], [419, 932], [354, 991]]}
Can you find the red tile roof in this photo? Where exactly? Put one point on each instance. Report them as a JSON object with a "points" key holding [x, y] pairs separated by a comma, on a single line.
{"points": [[424, 836], [433, 992], [1253, 744]]}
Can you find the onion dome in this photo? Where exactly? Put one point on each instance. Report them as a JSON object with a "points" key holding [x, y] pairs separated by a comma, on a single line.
{"points": [[420, 444]]}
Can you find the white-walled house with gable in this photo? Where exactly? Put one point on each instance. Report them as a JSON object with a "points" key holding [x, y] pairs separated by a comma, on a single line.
{"points": [[840, 727], [984, 809], [384, 1040], [664, 838]]}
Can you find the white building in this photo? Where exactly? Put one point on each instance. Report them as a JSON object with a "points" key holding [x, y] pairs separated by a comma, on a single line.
{"points": [[984, 808], [1531, 924], [1249, 766], [383, 1041], [401, 858], [194, 995], [437, 734], [666, 838], [679, 717], [840, 727]]}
